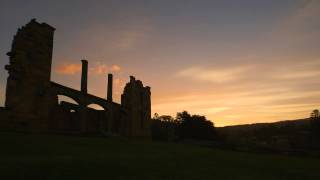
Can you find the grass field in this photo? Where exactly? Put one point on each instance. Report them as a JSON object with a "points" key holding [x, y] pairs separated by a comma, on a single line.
{"points": [[66, 157]]}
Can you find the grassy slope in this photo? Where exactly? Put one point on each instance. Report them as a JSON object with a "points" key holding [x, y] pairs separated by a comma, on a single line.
{"points": [[64, 157]]}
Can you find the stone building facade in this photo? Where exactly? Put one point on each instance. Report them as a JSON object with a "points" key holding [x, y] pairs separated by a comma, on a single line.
{"points": [[32, 98]]}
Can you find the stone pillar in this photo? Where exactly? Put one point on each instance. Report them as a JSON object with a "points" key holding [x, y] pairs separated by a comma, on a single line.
{"points": [[109, 93], [84, 76], [109, 121], [83, 119]]}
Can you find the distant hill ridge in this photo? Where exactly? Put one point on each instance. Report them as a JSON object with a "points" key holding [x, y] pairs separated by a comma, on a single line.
{"points": [[289, 137], [296, 122]]}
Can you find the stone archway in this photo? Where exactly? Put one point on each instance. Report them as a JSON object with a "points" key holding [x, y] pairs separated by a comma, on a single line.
{"points": [[65, 114], [63, 98], [96, 118], [95, 114]]}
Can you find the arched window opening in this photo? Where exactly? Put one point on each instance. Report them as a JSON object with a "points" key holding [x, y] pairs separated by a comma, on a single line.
{"points": [[96, 107], [66, 99]]}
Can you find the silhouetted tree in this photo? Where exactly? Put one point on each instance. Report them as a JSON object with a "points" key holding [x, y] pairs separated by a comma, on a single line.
{"points": [[184, 126], [195, 127], [163, 127], [315, 128], [315, 114]]}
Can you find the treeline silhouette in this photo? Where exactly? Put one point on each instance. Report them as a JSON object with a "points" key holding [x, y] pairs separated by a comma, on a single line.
{"points": [[183, 126], [298, 137]]}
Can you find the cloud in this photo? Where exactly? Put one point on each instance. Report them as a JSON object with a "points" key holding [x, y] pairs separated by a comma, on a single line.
{"points": [[68, 69], [236, 94], [214, 75], [298, 32], [115, 68], [119, 36], [299, 75], [268, 75], [239, 108], [304, 21], [128, 39], [118, 81], [97, 69]]}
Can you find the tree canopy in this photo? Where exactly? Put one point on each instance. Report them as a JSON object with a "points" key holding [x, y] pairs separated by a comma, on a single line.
{"points": [[184, 126]]}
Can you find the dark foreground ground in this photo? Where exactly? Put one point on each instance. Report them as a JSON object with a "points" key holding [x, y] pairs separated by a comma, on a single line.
{"points": [[65, 157]]}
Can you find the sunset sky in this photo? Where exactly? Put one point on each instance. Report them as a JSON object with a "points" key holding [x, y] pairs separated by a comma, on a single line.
{"points": [[234, 61]]}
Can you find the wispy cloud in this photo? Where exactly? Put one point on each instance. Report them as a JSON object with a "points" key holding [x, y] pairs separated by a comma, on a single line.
{"points": [[97, 69], [115, 68], [249, 93], [128, 39], [214, 75], [68, 69], [238, 108], [298, 33]]}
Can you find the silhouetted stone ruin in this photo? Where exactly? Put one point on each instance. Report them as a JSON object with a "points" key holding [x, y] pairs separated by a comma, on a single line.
{"points": [[136, 100], [32, 98]]}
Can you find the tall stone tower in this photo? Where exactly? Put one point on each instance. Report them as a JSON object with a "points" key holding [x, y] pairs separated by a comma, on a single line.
{"points": [[136, 102], [28, 84]]}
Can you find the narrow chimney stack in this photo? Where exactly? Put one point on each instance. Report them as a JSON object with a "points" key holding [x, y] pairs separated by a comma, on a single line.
{"points": [[84, 76], [109, 93]]}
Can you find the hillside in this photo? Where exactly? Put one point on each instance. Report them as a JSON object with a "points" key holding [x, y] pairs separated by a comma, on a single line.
{"points": [[284, 136], [25, 156], [296, 122]]}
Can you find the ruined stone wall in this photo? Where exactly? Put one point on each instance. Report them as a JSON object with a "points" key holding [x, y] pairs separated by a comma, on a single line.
{"points": [[64, 118], [32, 99], [4, 119], [96, 121], [114, 114], [136, 103], [28, 84]]}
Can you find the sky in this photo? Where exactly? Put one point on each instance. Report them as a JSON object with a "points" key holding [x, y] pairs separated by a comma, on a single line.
{"points": [[236, 62]]}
